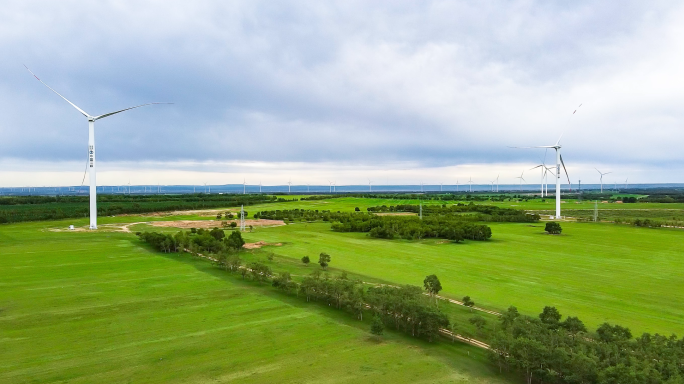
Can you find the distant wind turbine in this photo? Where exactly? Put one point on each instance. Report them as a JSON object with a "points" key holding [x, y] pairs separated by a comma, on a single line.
{"points": [[470, 181], [91, 148], [521, 179], [602, 174]]}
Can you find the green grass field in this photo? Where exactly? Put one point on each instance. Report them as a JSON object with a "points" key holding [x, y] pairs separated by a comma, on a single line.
{"points": [[599, 272], [84, 307]]}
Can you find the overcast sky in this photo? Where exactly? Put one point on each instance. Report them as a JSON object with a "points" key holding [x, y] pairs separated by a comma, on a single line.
{"points": [[395, 91]]}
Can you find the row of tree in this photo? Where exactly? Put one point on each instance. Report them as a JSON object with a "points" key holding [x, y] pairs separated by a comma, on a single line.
{"points": [[33, 208], [548, 350], [413, 228], [212, 241], [486, 212]]}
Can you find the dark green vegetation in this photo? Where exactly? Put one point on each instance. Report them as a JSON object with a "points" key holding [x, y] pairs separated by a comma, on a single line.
{"points": [[33, 208], [548, 350], [553, 228], [97, 307]]}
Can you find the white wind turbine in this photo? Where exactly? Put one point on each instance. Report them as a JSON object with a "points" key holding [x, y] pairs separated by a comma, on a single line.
{"points": [[521, 179], [497, 182], [559, 162], [289, 184], [602, 174], [91, 149], [470, 181], [370, 187]]}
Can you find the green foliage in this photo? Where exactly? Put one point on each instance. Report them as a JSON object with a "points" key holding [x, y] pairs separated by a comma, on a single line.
{"points": [[306, 260], [468, 302], [553, 228], [609, 356], [323, 260], [235, 240], [432, 284], [478, 321], [376, 326], [33, 208]]}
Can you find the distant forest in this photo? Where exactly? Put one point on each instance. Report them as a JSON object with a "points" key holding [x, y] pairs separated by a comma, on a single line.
{"points": [[34, 208]]}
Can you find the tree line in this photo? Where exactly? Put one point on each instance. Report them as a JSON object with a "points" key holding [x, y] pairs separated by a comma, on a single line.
{"points": [[486, 212], [454, 228], [34, 208], [548, 350]]}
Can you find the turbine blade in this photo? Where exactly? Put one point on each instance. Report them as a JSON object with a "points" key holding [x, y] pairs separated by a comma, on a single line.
{"points": [[114, 113], [72, 104], [566, 171], [558, 141], [536, 167]]}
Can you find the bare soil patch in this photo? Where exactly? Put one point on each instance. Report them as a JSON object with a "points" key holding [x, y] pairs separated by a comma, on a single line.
{"points": [[259, 244], [208, 224], [396, 214]]}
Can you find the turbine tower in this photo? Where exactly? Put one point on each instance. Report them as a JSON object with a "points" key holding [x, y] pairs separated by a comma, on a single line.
{"points": [[470, 181], [602, 174], [559, 162], [91, 148], [370, 186]]}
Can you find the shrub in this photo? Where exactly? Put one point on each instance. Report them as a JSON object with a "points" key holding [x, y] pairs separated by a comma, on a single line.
{"points": [[553, 228]]}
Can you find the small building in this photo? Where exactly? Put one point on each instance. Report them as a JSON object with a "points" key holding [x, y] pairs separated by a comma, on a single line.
{"points": [[71, 227]]}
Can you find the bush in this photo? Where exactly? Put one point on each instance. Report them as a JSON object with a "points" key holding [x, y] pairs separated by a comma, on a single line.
{"points": [[553, 228]]}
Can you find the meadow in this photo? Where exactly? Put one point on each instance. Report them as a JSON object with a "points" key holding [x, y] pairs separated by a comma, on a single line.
{"points": [[83, 307], [599, 272], [104, 307]]}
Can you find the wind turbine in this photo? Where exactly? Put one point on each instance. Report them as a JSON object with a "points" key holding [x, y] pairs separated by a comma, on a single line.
{"points": [[244, 187], [370, 187], [456, 185], [602, 174], [289, 184], [330, 185], [626, 182], [470, 181], [521, 179], [91, 148], [559, 162], [259, 186]]}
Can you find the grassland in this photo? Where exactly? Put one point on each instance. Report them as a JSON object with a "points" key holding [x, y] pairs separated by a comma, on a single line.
{"points": [[599, 272], [84, 307]]}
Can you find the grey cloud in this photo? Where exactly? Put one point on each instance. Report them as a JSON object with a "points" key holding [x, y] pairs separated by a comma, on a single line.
{"points": [[437, 83]]}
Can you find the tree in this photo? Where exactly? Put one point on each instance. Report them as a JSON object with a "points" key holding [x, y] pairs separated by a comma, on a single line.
{"points": [[550, 316], [468, 302], [553, 228], [251, 228], [324, 260], [306, 260], [233, 224], [357, 209], [573, 325], [509, 316], [235, 240], [432, 285], [217, 234], [218, 216], [478, 321], [376, 326]]}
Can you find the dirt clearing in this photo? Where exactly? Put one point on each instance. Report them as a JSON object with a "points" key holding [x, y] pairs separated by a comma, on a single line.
{"points": [[208, 224]]}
